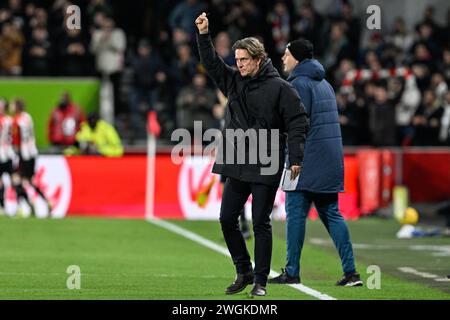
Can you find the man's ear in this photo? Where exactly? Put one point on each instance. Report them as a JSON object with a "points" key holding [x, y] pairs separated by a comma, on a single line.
{"points": [[259, 62]]}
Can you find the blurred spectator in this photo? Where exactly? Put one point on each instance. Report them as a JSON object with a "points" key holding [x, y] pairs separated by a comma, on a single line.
{"points": [[374, 46], [64, 122], [280, 23], [11, 46], [399, 36], [244, 19], [183, 15], [195, 103], [352, 26], [344, 67], [445, 65], [97, 137], [165, 46], [365, 95], [308, 24], [28, 14], [97, 22], [74, 54], [97, 6], [382, 118], [372, 61], [16, 9], [57, 13], [427, 120], [185, 65], [233, 20], [179, 37], [422, 66], [250, 20], [444, 134], [426, 36], [39, 18], [337, 49], [222, 44], [148, 70], [349, 118], [217, 10], [109, 44], [439, 86], [406, 97], [446, 31], [38, 53], [428, 18]]}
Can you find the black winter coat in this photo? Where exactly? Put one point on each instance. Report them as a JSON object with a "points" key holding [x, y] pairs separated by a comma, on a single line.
{"points": [[264, 101]]}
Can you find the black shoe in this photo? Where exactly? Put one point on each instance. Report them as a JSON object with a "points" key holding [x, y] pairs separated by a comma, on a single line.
{"points": [[240, 283], [284, 278], [351, 280], [258, 290]]}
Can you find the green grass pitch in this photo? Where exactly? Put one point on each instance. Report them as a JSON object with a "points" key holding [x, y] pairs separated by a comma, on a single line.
{"points": [[134, 259]]}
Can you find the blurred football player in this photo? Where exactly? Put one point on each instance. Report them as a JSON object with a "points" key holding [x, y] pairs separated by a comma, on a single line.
{"points": [[24, 144]]}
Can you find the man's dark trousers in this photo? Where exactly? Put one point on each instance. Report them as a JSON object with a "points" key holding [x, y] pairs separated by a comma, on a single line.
{"points": [[235, 194]]}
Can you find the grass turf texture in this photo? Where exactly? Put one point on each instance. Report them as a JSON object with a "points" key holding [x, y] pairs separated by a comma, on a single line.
{"points": [[133, 259]]}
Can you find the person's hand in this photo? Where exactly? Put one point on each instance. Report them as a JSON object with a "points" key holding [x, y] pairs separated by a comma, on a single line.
{"points": [[202, 23], [295, 171]]}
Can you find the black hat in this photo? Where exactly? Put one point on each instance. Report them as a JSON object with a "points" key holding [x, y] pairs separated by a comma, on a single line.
{"points": [[301, 49]]}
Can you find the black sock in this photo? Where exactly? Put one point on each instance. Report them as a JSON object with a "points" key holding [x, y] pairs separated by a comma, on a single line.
{"points": [[2, 196], [40, 193], [21, 194]]}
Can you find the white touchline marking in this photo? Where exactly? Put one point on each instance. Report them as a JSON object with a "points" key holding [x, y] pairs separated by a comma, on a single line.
{"points": [[209, 244], [422, 274], [442, 280], [434, 250]]}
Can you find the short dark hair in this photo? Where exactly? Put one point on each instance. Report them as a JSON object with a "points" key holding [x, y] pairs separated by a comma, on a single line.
{"points": [[20, 104]]}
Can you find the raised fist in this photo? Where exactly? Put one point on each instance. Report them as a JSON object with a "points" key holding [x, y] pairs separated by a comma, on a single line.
{"points": [[202, 23]]}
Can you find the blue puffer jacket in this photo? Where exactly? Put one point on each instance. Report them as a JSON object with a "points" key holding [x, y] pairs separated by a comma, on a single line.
{"points": [[323, 164]]}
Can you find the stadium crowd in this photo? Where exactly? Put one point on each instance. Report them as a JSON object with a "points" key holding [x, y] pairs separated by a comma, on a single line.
{"points": [[148, 52]]}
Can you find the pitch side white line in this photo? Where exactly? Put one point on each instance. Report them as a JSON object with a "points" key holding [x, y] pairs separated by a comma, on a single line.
{"points": [[425, 275], [209, 244]]}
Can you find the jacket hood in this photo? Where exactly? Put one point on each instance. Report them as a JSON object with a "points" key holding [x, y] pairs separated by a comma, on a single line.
{"points": [[266, 70], [310, 68]]}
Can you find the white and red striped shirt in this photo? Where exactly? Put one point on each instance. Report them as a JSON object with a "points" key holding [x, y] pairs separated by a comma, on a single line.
{"points": [[23, 136], [6, 148]]}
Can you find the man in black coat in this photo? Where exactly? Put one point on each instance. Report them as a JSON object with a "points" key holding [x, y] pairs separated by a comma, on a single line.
{"points": [[262, 104]]}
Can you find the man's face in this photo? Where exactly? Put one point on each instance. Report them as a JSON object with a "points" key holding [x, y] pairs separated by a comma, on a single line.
{"points": [[381, 94], [289, 62], [247, 65], [13, 108]]}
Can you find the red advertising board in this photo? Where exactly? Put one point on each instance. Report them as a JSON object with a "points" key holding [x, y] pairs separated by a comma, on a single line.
{"points": [[108, 186], [116, 187]]}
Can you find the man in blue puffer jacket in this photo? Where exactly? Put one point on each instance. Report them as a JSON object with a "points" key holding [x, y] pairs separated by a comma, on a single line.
{"points": [[322, 171]]}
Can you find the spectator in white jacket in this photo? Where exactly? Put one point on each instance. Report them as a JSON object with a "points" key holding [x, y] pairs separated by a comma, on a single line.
{"points": [[444, 134], [108, 44], [405, 109]]}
